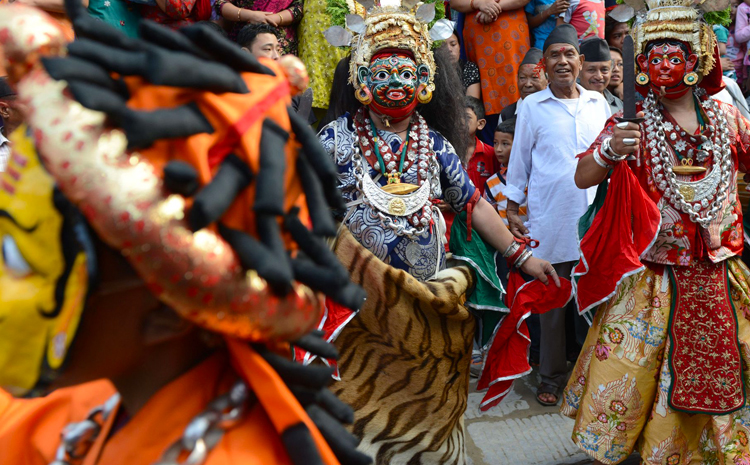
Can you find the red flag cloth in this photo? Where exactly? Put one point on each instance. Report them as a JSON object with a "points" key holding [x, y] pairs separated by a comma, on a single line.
{"points": [[622, 230], [508, 356], [334, 318]]}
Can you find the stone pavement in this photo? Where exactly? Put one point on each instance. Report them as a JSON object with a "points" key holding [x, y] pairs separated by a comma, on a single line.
{"points": [[520, 431]]}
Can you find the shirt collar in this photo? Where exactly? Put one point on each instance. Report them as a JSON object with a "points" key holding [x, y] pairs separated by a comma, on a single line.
{"points": [[3, 140], [547, 94]]}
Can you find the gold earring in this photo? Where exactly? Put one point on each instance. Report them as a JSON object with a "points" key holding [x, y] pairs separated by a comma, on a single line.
{"points": [[364, 95], [690, 78], [642, 79], [424, 95]]}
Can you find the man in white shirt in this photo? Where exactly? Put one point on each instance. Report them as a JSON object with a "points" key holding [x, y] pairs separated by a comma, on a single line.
{"points": [[553, 126], [11, 119]]}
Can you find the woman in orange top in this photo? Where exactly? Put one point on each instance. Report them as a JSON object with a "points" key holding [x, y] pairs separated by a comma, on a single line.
{"points": [[496, 38]]}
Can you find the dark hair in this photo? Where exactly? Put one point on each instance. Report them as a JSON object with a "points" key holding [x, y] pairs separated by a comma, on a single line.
{"points": [[342, 99], [615, 49], [507, 127], [610, 24], [445, 113], [247, 34], [215, 26], [475, 105]]}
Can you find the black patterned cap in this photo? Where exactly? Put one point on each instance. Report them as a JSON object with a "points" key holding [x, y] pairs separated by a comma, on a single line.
{"points": [[5, 89], [595, 49], [563, 34], [532, 57]]}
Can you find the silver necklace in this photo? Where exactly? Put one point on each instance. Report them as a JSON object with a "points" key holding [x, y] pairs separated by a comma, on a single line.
{"points": [[200, 436], [701, 200]]}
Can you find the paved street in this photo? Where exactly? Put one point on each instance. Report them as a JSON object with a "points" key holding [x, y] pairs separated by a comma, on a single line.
{"points": [[521, 432]]}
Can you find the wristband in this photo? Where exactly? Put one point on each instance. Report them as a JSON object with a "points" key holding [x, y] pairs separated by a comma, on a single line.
{"points": [[599, 161], [512, 248], [513, 259], [523, 258], [239, 11]]}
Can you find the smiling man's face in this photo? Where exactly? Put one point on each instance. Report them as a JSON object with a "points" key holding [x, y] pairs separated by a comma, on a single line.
{"points": [[43, 276], [563, 64]]}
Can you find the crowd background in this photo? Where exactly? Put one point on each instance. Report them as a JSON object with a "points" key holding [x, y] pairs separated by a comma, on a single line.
{"points": [[497, 47]]}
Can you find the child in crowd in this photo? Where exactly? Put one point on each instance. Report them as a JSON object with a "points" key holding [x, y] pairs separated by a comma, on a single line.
{"points": [[493, 191], [481, 157], [587, 16], [727, 65], [741, 37], [542, 15]]}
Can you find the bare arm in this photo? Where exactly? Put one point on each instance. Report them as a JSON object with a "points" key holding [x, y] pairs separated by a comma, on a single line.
{"points": [[489, 7], [508, 5], [560, 20], [490, 226], [589, 173], [233, 13]]}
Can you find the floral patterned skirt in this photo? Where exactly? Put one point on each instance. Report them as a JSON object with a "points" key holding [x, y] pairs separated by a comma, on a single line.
{"points": [[618, 392]]}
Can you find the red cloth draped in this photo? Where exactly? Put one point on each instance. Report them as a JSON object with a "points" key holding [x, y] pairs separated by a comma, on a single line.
{"points": [[508, 356], [624, 228]]}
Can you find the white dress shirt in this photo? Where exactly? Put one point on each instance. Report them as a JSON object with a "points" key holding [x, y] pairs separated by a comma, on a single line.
{"points": [[549, 134], [4, 152]]}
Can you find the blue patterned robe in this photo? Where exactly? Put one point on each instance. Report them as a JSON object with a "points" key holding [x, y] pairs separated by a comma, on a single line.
{"points": [[454, 187]]}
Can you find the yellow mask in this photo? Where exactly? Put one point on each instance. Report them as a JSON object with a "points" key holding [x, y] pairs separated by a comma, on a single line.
{"points": [[43, 272]]}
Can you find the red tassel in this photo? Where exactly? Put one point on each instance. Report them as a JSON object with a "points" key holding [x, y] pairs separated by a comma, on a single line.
{"points": [[469, 210]]}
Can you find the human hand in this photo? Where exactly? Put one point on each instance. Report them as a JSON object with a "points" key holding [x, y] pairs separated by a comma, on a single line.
{"points": [[257, 17], [515, 224], [626, 137], [445, 207], [274, 19], [490, 8], [484, 19], [559, 7], [540, 269], [726, 64]]}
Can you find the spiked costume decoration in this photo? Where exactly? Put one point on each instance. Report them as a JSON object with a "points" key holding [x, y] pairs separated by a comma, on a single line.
{"points": [[664, 367], [178, 151]]}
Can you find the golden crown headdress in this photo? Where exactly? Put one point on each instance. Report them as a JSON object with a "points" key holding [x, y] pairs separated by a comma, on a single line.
{"points": [[406, 25], [681, 20]]}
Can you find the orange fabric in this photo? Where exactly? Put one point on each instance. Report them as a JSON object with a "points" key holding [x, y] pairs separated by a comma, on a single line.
{"points": [[283, 408], [30, 428], [237, 127], [497, 49], [163, 419]]}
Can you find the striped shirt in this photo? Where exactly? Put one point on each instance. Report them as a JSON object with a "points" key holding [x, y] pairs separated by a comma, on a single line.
{"points": [[493, 193]]}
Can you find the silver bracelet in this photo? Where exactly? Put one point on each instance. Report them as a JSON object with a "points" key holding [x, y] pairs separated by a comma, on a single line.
{"points": [[525, 255], [608, 153], [599, 161], [512, 248]]}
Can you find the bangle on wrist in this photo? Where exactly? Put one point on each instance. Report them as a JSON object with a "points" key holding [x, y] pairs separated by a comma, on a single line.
{"points": [[608, 153], [512, 248], [523, 258], [239, 12], [513, 259], [471, 5], [599, 161]]}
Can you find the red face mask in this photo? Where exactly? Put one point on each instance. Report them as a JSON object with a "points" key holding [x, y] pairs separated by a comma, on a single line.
{"points": [[666, 66]]}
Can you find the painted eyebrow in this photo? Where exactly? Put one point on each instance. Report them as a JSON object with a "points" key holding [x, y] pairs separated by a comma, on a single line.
{"points": [[5, 214]]}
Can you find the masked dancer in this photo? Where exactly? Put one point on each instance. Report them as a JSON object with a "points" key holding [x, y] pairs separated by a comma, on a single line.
{"points": [[406, 355], [664, 367]]}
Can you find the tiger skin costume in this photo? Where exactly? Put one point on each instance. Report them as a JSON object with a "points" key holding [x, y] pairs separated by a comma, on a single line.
{"points": [[405, 360]]}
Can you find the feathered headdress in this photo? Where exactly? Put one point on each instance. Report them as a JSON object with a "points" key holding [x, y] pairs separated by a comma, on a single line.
{"points": [[369, 28]]}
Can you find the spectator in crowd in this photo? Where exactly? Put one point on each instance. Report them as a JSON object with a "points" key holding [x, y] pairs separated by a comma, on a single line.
{"points": [[597, 69], [10, 117], [317, 54], [741, 38], [530, 79], [121, 14], [587, 16], [493, 189], [177, 13], [735, 51], [482, 162], [552, 127], [615, 32], [542, 15], [262, 40], [615, 79], [467, 69], [496, 37], [284, 14], [727, 65]]}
